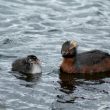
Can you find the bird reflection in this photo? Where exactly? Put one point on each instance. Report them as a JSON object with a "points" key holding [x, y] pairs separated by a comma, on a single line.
{"points": [[70, 82], [28, 80], [67, 82]]}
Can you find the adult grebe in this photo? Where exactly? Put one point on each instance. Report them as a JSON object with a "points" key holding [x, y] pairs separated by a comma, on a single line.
{"points": [[94, 61]]}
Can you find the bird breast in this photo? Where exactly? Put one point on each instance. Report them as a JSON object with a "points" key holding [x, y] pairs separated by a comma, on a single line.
{"points": [[35, 69]]}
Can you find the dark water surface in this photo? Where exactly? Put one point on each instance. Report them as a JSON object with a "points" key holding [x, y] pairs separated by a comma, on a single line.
{"points": [[40, 27]]}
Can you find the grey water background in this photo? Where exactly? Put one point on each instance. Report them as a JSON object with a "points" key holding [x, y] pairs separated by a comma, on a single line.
{"points": [[40, 27]]}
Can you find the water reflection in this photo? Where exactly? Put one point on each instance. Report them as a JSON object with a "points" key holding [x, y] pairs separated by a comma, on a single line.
{"points": [[70, 82], [67, 82], [28, 80]]}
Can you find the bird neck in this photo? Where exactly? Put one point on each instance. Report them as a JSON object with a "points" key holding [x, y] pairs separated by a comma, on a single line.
{"points": [[69, 61]]}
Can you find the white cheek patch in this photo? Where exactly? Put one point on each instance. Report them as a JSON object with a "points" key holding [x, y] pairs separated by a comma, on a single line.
{"points": [[35, 69]]}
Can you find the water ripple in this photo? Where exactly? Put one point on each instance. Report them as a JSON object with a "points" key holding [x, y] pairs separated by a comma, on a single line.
{"points": [[40, 27]]}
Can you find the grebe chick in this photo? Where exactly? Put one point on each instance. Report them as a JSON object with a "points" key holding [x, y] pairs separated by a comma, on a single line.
{"points": [[29, 64]]}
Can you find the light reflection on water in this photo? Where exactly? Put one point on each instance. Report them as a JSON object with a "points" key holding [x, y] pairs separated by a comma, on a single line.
{"points": [[40, 27]]}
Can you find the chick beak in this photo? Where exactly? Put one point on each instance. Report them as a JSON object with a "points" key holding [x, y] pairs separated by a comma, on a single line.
{"points": [[38, 61]]}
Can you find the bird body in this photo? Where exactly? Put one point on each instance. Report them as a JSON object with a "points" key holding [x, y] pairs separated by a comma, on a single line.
{"points": [[93, 61], [29, 64]]}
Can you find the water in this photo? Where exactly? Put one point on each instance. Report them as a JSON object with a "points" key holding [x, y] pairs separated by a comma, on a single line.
{"points": [[40, 27]]}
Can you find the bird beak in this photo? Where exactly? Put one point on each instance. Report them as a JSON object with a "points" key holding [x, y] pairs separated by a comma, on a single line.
{"points": [[38, 61]]}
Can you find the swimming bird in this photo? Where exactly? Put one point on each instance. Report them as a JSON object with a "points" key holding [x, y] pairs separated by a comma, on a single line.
{"points": [[94, 61], [30, 64]]}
